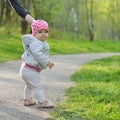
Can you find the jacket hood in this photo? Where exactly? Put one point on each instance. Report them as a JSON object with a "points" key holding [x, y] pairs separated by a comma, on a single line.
{"points": [[27, 40]]}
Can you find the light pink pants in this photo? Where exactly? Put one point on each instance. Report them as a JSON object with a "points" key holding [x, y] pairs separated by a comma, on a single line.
{"points": [[32, 83]]}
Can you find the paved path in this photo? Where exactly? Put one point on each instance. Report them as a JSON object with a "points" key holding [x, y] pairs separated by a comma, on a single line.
{"points": [[54, 82]]}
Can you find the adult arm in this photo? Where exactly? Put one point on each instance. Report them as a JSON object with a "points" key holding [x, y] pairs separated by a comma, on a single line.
{"points": [[21, 11]]}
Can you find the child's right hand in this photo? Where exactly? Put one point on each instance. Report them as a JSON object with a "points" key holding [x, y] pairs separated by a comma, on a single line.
{"points": [[50, 65]]}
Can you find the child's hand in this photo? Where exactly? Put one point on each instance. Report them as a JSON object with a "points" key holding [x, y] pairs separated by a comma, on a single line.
{"points": [[50, 65]]}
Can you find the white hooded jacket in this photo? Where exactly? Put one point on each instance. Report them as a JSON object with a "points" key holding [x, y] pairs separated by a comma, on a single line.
{"points": [[36, 52]]}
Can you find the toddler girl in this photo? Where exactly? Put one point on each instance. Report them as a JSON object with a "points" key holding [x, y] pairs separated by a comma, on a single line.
{"points": [[35, 59]]}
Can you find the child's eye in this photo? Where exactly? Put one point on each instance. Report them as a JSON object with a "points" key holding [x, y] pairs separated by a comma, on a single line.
{"points": [[43, 32], [46, 31]]}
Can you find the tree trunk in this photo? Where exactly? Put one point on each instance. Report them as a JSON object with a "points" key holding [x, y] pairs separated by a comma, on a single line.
{"points": [[2, 11], [89, 17], [24, 24], [8, 16], [24, 27]]}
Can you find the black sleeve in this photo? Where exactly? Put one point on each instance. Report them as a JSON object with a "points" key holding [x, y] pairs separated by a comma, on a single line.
{"points": [[18, 8]]}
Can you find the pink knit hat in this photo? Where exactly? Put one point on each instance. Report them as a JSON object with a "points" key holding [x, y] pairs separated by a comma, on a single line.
{"points": [[39, 25]]}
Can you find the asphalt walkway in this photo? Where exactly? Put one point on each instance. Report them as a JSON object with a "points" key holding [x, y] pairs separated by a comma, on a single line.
{"points": [[54, 83]]}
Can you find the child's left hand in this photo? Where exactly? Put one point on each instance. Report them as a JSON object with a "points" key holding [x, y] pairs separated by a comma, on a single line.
{"points": [[50, 65]]}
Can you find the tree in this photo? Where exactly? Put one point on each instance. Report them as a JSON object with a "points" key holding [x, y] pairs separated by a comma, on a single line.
{"points": [[113, 15], [5, 12], [24, 24], [89, 18]]}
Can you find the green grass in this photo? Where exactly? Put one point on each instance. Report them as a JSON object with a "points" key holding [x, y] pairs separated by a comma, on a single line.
{"points": [[79, 46], [11, 45], [96, 95]]}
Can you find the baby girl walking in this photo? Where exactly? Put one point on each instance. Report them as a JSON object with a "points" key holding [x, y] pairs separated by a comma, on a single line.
{"points": [[35, 59]]}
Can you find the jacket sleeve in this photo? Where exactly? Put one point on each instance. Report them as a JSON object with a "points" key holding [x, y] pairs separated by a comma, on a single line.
{"points": [[39, 54], [18, 8]]}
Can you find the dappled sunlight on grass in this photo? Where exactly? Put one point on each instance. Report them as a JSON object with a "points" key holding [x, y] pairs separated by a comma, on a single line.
{"points": [[105, 70], [96, 95]]}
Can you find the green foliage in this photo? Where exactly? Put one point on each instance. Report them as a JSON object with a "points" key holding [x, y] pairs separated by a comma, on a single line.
{"points": [[71, 16], [10, 47], [96, 95]]}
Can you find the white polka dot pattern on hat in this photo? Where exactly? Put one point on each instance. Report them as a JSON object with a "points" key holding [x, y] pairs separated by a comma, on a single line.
{"points": [[39, 25]]}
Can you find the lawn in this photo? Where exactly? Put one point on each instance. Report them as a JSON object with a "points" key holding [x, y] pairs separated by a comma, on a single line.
{"points": [[11, 46], [79, 46], [96, 95]]}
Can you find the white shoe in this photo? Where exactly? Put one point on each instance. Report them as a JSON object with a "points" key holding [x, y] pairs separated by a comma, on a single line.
{"points": [[46, 104]]}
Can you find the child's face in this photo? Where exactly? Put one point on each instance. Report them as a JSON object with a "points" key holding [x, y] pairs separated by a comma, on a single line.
{"points": [[42, 35]]}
